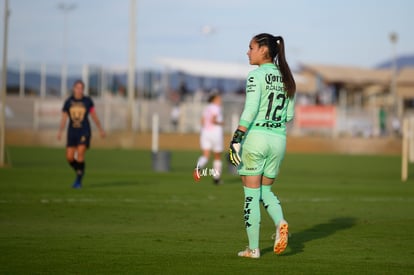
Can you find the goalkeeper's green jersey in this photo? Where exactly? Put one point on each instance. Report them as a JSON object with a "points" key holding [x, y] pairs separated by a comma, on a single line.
{"points": [[267, 107]]}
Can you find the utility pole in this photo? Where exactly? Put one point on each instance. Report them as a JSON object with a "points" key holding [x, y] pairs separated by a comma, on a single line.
{"points": [[65, 8], [4, 86], [396, 104], [132, 62]]}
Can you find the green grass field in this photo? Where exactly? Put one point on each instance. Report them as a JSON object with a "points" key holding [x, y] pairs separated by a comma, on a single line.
{"points": [[347, 215]]}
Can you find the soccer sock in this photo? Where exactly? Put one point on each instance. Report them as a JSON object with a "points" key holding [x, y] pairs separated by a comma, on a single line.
{"points": [[217, 165], [202, 161], [252, 215], [81, 171], [272, 204], [74, 164]]}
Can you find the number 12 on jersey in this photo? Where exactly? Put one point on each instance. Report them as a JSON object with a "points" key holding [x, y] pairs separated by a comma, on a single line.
{"points": [[281, 99]]}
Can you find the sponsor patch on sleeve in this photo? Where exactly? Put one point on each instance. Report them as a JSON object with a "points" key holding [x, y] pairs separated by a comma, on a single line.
{"points": [[251, 85]]}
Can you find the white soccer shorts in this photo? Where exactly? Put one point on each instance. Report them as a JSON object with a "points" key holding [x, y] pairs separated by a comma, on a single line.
{"points": [[212, 139]]}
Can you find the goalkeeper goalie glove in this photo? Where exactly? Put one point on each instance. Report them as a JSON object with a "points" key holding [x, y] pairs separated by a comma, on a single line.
{"points": [[235, 147]]}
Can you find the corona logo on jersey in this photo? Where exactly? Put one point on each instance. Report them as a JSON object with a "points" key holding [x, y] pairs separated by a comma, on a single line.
{"points": [[270, 78]]}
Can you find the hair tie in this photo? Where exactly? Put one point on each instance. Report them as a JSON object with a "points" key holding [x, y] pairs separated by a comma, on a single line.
{"points": [[278, 39]]}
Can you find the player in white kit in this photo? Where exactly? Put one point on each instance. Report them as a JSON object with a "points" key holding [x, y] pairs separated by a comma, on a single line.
{"points": [[211, 138]]}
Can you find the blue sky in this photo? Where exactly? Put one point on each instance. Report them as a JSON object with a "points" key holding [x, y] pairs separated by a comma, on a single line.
{"points": [[352, 32]]}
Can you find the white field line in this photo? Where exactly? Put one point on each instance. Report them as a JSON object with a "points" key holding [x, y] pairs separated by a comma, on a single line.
{"points": [[353, 199], [184, 201]]}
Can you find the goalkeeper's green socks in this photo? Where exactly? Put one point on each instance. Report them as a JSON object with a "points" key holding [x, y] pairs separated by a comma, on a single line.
{"points": [[272, 204], [252, 215]]}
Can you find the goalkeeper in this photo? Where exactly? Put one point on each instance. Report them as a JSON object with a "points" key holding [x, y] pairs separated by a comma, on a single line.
{"points": [[259, 143]]}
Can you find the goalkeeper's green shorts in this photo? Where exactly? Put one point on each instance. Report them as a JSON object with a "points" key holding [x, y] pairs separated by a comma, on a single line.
{"points": [[262, 154]]}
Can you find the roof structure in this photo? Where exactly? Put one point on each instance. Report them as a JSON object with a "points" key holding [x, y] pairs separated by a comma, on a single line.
{"points": [[350, 75], [206, 68], [405, 83], [406, 76], [305, 83]]}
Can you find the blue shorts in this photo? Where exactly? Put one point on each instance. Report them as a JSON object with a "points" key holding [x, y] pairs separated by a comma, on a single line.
{"points": [[76, 138]]}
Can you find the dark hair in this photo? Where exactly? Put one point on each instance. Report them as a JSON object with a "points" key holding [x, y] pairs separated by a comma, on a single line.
{"points": [[276, 47], [212, 96], [79, 82]]}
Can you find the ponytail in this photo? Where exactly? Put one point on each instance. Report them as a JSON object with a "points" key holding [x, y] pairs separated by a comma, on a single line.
{"points": [[276, 46], [287, 76]]}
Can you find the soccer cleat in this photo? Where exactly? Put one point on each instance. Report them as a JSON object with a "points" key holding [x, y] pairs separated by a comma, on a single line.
{"points": [[250, 253], [77, 185], [196, 174], [282, 235]]}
